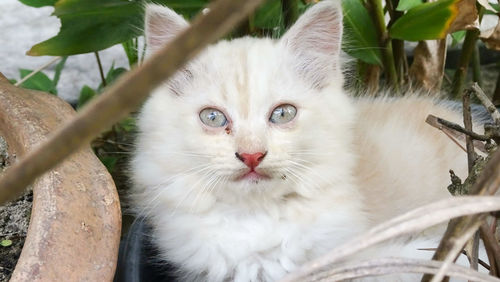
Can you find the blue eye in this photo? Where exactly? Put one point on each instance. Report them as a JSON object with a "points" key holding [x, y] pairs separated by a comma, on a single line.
{"points": [[283, 114], [213, 117]]}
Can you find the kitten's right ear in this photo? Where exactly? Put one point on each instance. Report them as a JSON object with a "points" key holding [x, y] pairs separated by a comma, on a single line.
{"points": [[161, 26], [315, 42]]}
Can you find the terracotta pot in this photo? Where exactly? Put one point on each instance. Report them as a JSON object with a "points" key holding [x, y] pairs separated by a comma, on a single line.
{"points": [[75, 223]]}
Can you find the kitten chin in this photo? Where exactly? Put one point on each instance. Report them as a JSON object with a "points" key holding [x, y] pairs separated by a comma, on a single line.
{"points": [[252, 160]]}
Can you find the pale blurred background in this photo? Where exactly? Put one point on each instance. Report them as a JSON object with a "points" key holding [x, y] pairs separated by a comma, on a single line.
{"points": [[22, 26]]}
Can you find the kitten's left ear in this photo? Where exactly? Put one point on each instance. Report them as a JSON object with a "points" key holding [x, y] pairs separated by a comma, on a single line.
{"points": [[161, 25], [315, 41]]}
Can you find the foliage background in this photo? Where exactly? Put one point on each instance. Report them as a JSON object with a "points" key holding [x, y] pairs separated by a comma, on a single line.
{"points": [[382, 60]]}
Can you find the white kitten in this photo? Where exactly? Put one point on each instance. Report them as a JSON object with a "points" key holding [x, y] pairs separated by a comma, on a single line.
{"points": [[252, 160]]}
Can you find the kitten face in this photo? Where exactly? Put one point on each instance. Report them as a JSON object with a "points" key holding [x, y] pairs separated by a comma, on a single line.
{"points": [[248, 119]]}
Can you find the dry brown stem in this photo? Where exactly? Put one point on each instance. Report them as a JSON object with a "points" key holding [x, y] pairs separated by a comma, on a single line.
{"points": [[487, 184], [492, 249], [454, 133], [456, 246], [125, 95], [385, 266], [456, 127], [408, 223], [473, 245], [471, 155], [37, 70], [495, 114]]}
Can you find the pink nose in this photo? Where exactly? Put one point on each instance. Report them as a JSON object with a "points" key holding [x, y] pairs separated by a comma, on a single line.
{"points": [[251, 160]]}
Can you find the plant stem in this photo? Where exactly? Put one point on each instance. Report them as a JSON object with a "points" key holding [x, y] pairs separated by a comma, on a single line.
{"points": [[58, 70], [37, 70], [496, 94], [468, 48], [143, 52], [476, 67], [492, 249], [400, 61], [377, 13], [461, 72], [471, 160], [458, 128], [125, 95], [495, 114], [290, 9], [131, 50], [398, 46], [471, 154], [487, 183], [101, 71]]}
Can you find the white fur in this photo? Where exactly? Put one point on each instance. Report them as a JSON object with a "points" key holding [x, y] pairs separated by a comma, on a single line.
{"points": [[348, 164]]}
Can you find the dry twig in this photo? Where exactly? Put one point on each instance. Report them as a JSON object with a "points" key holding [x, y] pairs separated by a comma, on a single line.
{"points": [[456, 127], [487, 184], [408, 223], [125, 95], [473, 245], [385, 266], [495, 114], [492, 249], [471, 155], [460, 230], [456, 133], [457, 245], [39, 69]]}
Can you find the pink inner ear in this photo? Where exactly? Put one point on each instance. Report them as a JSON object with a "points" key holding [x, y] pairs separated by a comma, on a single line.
{"points": [[317, 32], [324, 36], [161, 30], [162, 25], [315, 39]]}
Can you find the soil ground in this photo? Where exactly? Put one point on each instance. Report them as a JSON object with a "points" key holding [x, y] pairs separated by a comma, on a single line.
{"points": [[14, 221]]}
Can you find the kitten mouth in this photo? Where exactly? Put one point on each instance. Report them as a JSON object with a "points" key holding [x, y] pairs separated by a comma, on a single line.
{"points": [[253, 176]]}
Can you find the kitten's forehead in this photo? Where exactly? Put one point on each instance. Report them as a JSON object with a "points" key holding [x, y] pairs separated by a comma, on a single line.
{"points": [[240, 75]]}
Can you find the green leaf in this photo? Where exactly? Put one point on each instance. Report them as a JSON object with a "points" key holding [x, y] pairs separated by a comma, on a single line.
{"points": [[86, 94], [130, 47], [404, 5], [58, 70], [12, 81], [6, 243], [268, 15], [360, 40], [38, 81], [91, 25], [458, 37], [426, 21], [128, 124], [38, 3], [109, 162], [112, 75], [304, 6]]}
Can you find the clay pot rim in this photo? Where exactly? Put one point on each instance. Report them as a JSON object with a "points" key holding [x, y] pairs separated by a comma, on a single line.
{"points": [[75, 224]]}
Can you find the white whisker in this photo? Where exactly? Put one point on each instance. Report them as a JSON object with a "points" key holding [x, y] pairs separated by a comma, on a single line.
{"points": [[298, 164], [152, 203], [191, 189], [303, 176]]}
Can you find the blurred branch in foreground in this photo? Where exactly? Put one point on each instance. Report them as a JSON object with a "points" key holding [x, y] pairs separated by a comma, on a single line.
{"points": [[125, 95]]}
